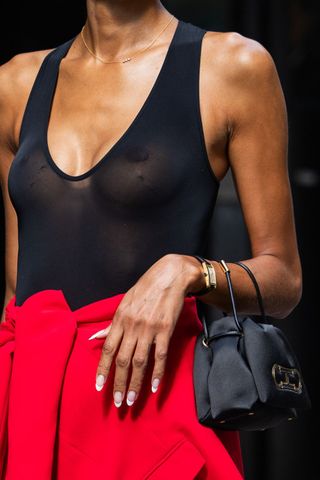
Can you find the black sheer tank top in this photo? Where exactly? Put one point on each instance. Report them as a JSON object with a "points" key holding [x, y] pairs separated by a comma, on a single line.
{"points": [[93, 235]]}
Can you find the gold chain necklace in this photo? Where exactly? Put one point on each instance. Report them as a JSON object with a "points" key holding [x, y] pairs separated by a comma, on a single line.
{"points": [[127, 59]]}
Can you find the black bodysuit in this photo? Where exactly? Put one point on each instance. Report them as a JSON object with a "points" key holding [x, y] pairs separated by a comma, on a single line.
{"points": [[93, 235]]}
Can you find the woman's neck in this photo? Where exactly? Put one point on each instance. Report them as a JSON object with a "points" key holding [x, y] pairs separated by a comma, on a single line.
{"points": [[116, 27]]}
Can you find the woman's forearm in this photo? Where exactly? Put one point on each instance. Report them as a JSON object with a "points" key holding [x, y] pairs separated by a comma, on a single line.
{"points": [[280, 285]]}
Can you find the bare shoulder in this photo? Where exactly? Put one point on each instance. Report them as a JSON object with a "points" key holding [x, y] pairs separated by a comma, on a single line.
{"points": [[16, 79], [20, 71], [238, 59], [242, 77]]}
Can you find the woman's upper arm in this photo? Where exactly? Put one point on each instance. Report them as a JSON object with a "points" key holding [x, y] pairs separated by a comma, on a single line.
{"points": [[16, 79], [257, 153], [7, 152], [252, 109], [11, 232]]}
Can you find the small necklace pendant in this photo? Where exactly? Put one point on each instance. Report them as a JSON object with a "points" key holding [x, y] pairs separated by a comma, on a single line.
{"points": [[126, 60]]}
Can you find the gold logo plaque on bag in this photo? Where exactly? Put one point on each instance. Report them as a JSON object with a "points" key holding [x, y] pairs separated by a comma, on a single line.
{"points": [[287, 378]]}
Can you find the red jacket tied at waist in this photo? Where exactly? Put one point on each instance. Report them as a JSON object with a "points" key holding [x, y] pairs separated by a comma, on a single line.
{"points": [[54, 424]]}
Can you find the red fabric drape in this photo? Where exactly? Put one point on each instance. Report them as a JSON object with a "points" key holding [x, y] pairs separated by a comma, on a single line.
{"points": [[55, 425]]}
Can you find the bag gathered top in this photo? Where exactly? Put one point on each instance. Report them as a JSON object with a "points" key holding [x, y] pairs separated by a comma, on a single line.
{"points": [[246, 375]]}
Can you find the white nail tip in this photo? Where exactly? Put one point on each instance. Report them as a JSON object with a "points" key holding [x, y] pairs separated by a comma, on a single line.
{"points": [[130, 402], [99, 387], [154, 389], [96, 334], [118, 404]]}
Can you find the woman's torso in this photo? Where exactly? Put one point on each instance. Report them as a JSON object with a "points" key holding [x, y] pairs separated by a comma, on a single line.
{"points": [[153, 192]]}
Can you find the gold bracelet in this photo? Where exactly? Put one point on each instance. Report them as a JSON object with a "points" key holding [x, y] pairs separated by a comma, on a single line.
{"points": [[209, 275]]}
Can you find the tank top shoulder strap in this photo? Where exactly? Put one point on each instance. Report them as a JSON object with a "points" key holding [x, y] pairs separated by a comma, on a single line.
{"points": [[183, 90], [183, 65], [37, 103]]}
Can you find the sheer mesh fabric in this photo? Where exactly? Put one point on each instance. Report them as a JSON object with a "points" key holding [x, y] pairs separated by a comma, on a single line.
{"points": [[154, 193]]}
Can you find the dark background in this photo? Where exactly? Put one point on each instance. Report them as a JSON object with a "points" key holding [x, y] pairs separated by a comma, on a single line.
{"points": [[288, 29]]}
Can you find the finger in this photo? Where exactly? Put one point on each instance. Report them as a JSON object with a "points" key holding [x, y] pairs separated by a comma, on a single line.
{"points": [[123, 362], [139, 365], [160, 355], [109, 349], [101, 333]]}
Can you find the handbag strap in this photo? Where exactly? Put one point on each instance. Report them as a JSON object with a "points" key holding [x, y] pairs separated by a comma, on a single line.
{"points": [[233, 303], [256, 285]]}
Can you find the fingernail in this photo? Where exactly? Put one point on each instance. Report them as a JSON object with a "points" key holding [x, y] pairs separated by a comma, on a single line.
{"points": [[155, 385], [95, 335], [100, 381], [117, 399], [131, 397]]}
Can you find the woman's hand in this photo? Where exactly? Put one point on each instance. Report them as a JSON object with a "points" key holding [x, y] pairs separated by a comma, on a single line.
{"points": [[147, 314]]}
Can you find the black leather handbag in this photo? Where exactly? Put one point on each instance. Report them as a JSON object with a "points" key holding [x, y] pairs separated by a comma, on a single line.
{"points": [[246, 375]]}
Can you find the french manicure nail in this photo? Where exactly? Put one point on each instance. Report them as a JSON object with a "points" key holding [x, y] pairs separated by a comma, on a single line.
{"points": [[95, 335], [100, 381], [155, 385], [131, 397], [117, 399]]}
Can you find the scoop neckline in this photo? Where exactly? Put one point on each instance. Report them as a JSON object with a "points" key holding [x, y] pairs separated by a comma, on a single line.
{"points": [[124, 136]]}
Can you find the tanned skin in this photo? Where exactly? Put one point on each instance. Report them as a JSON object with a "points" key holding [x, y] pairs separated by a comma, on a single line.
{"points": [[245, 127]]}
